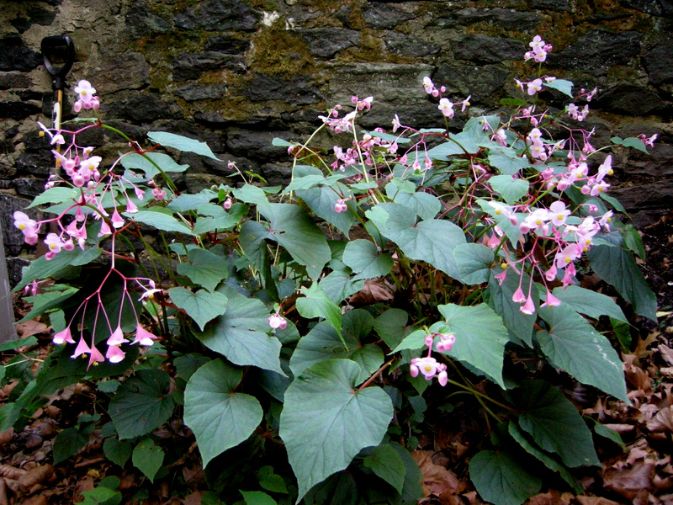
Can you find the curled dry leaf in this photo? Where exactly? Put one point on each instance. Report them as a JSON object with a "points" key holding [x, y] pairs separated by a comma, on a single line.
{"points": [[666, 353], [662, 421], [628, 483], [551, 498], [38, 475], [437, 480]]}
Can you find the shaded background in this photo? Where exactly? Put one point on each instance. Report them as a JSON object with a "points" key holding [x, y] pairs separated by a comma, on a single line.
{"points": [[237, 73]]}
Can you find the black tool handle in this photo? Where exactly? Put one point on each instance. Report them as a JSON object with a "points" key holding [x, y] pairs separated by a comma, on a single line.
{"points": [[58, 52]]}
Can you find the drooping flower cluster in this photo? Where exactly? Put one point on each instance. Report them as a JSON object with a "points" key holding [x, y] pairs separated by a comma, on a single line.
{"points": [[446, 106], [539, 50], [428, 366]]}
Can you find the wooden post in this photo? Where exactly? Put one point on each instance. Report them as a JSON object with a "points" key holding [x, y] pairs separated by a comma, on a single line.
{"points": [[7, 330]]}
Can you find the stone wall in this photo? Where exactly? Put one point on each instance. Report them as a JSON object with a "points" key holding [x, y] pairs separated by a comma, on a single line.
{"points": [[236, 73]]}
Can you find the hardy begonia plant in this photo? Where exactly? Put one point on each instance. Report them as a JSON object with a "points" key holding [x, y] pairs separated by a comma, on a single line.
{"points": [[294, 315]]}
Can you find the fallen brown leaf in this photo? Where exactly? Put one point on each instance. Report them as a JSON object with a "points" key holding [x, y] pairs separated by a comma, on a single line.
{"points": [[37, 475], [662, 421], [666, 353], [30, 328], [595, 500], [437, 480], [629, 482], [550, 498]]}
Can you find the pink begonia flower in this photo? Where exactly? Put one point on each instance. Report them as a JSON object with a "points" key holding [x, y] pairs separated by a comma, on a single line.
{"points": [[159, 194], [58, 139], [89, 165], [443, 378], [413, 369], [528, 307], [429, 340], [428, 85], [117, 220], [62, 337], [558, 213], [501, 277], [567, 255], [104, 229], [605, 168], [53, 243], [535, 135], [605, 220], [277, 322], [428, 366], [117, 337], [518, 296], [534, 86], [551, 300], [81, 349], [446, 342], [114, 354], [226, 205], [550, 274], [143, 337], [648, 141], [95, 356], [130, 206], [396, 123], [27, 226], [446, 108], [340, 206]]}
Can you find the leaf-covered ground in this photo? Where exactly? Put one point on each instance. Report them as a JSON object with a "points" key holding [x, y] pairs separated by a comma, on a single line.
{"points": [[640, 471]]}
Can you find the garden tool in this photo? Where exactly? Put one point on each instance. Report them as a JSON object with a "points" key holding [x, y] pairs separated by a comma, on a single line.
{"points": [[58, 52]]}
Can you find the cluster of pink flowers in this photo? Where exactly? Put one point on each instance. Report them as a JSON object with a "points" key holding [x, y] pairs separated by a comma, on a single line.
{"points": [[82, 171], [86, 97], [446, 106], [539, 50], [277, 322], [428, 366]]}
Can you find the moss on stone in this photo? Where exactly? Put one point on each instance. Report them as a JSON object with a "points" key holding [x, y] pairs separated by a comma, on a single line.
{"points": [[280, 52]]}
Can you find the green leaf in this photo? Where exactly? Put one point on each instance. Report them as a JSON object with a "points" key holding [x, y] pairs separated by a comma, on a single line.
{"points": [[326, 422], [67, 443], [117, 451], [278, 142], [573, 345], [257, 498], [53, 296], [294, 231], [389, 137], [618, 268], [219, 417], [205, 268], [390, 326], [160, 221], [58, 194], [520, 325], [101, 495], [193, 201], [15, 344], [499, 479], [633, 142], [315, 303], [548, 461], [364, 259], [202, 306], [323, 343], [431, 241], [555, 425], [270, 480], [240, 334], [460, 143], [148, 163], [474, 262], [386, 463], [141, 404], [41, 268], [511, 189], [611, 435], [182, 143], [562, 85], [425, 205], [250, 194], [480, 337], [589, 302], [339, 285], [506, 160], [148, 458]]}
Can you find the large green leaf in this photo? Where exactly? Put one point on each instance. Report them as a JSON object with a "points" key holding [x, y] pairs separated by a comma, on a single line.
{"points": [[511, 189], [425, 205], [68, 443], [617, 267], [294, 231], [364, 258], [58, 194], [474, 262], [323, 343], [431, 241], [219, 417], [62, 263], [499, 479], [562, 85], [322, 200], [52, 296], [547, 460], [506, 160], [160, 221], [240, 334], [148, 163], [555, 425], [386, 463], [589, 302], [141, 404], [202, 306], [182, 143], [390, 326], [326, 421], [573, 345], [205, 268], [315, 303], [480, 337], [148, 458]]}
